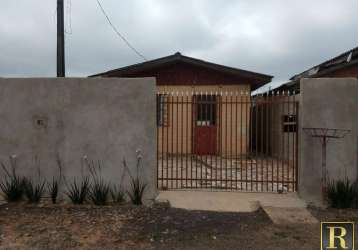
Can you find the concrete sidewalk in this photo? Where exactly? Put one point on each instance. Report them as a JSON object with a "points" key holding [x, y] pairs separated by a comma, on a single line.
{"points": [[281, 208], [229, 201]]}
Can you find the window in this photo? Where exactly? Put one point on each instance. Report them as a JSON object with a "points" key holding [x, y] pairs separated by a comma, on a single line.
{"points": [[289, 123], [206, 110], [162, 110]]}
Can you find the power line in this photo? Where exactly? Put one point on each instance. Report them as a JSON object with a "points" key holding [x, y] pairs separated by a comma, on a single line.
{"points": [[118, 33]]}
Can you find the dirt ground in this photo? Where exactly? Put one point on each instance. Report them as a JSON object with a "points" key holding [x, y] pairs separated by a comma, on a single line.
{"points": [[24, 226]]}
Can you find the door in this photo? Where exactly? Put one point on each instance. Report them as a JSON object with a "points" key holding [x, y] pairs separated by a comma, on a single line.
{"points": [[205, 125]]}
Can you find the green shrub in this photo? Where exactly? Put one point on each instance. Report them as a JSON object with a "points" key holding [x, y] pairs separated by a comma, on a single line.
{"points": [[78, 192], [341, 193], [12, 184], [34, 191]]}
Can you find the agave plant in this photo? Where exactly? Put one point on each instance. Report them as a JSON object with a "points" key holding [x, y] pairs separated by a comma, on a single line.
{"points": [[117, 194], [100, 189], [53, 187], [137, 187], [78, 192], [34, 192], [340, 193], [12, 184]]}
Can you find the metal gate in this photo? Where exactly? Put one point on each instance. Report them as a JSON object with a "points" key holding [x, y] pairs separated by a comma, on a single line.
{"points": [[229, 141]]}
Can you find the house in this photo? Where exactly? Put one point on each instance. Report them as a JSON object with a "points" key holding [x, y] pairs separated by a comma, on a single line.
{"points": [[193, 117], [343, 65], [283, 122]]}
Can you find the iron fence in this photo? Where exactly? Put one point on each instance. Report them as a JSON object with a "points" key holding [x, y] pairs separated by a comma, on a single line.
{"points": [[229, 141]]}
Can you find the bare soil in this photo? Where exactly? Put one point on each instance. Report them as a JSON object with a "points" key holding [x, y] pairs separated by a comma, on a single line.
{"points": [[24, 226]]}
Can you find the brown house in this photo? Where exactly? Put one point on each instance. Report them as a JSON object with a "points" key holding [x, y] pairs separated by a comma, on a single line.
{"points": [[190, 117]]}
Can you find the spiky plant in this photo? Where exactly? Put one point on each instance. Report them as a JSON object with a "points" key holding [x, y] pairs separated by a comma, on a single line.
{"points": [[117, 194], [137, 191], [138, 186], [34, 192], [340, 193], [78, 192], [100, 189], [12, 184], [54, 186], [99, 193]]}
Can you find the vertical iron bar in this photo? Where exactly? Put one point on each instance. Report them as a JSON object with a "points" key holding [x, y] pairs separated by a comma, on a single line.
{"points": [[231, 141], [167, 144], [272, 121], [296, 144], [267, 123], [181, 137], [262, 141], [221, 139], [158, 127], [172, 142], [226, 144], [283, 139], [186, 138], [193, 115]]}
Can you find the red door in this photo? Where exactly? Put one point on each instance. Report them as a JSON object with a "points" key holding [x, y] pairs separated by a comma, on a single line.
{"points": [[205, 128]]}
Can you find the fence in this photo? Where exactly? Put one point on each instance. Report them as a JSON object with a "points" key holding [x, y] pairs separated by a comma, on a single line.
{"points": [[228, 141]]}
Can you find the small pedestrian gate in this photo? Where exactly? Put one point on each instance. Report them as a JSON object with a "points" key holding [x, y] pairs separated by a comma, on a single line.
{"points": [[229, 141]]}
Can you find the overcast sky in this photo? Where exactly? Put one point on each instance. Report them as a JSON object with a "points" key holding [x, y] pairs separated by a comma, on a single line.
{"points": [[277, 37]]}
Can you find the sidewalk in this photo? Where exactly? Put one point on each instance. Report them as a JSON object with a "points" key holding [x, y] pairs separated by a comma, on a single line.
{"points": [[281, 208]]}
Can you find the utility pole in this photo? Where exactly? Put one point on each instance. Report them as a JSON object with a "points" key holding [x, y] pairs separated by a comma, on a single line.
{"points": [[60, 39]]}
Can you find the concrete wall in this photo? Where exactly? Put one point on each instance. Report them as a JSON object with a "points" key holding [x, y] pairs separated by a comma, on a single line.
{"points": [[105, 119], [327, 103]]}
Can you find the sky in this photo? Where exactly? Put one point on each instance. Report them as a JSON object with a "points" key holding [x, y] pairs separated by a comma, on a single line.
{"points": [[275, 37]]}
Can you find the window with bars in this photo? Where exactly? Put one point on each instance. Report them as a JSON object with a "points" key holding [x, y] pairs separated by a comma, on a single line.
{"points": [[206, 110], [289, 123], [162, 110]]}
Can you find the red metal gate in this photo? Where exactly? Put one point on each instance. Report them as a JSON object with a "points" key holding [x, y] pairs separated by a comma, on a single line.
{"points": [[229, 141]]}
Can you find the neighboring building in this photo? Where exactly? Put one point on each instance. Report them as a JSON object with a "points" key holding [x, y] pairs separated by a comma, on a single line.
{"points": [[181, 74], [344, 65], [283, 123]]}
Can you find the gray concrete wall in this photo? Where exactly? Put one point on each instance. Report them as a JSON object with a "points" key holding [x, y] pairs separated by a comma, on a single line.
{"points": [[327, 103], [104, 119]]}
